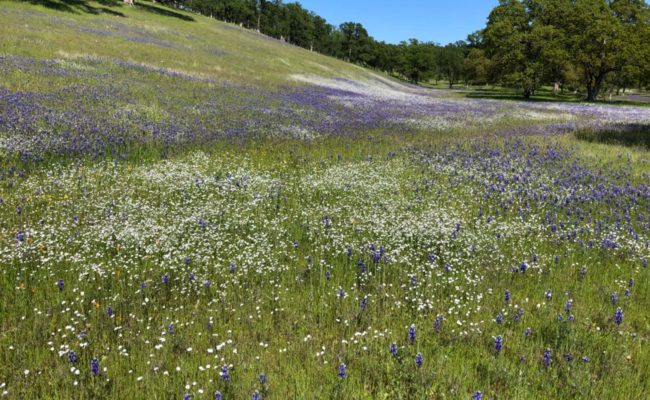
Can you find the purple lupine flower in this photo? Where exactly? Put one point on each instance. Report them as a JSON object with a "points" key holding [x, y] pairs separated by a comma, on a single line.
{"points": [[328, 275], [295, 244], [522, 358], [557, 259], [583, 271], [568, 305], [506, 296], [60, 284], [614, 298], [499, 319], [585, 360], [412, 333], [256, 396], [518, 314], [627, 293], [548, 358], [187, 397], [437, 322], [225, 373], [191, 276], [94, 366], [527, 332], [165, 279], [362, 266], [644, 262], [364, 303], [232, 267], [187, 260], [618, 316], [414, 279], [630, 283], [342, 371], [109, 311], [207, 284], [72, 357], [341, 293], [143, 285], [477, 395], [560, 317], [349, 251], [393, 349], [548, 294], [170, 329], [263, 378], [202, 223], [418, 360], [326, 221], [498, 344], [20, 236], [568, 357], [523, 266], [432, 257], [218, 395]]}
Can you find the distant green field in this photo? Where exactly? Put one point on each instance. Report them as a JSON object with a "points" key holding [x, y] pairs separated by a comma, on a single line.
{"points": [[189, 210]]}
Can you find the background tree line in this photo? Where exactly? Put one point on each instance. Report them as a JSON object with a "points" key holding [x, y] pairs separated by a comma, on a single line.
{"points": [[580, 45]]}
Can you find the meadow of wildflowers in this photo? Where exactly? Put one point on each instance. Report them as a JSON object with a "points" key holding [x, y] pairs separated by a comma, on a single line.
{"points": [[173, 232]]}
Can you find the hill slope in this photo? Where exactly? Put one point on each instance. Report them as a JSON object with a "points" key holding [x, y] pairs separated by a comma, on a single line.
{"points": [[155, 35]]}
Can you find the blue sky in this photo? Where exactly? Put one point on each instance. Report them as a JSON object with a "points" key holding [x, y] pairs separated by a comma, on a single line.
{"points": [[441, 21]]}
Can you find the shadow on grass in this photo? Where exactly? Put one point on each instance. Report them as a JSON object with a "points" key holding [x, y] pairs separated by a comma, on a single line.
{"points": [[81, 6], [625, 135], [548, 96], [162, 11], [500, 94], [106, 7]]}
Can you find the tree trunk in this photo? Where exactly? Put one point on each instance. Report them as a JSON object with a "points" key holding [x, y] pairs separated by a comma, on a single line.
{"points": [[591, 93], [594, 85], [527, 93]]}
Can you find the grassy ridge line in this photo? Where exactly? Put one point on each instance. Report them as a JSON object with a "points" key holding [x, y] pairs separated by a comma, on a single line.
{"points": [[200, 46]]}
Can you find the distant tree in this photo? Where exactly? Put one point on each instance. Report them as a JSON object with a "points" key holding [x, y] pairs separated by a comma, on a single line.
{"points": [[475, 40], [300, 25], [356, 43], [451, 62], [322, 35], [416, 61], [386, 57], [530, 42], [513, 47], [476, 67], [606, 36]]}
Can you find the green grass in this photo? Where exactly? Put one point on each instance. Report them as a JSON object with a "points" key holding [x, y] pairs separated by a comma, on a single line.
{"points": [[106, 223], [635, 135]]}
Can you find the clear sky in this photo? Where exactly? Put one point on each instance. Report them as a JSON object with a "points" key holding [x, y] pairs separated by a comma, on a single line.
{"points": [[440, 21]]}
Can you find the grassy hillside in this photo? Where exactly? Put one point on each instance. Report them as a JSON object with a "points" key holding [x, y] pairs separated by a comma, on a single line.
{"points": [[154, 35], [190, 210]]}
